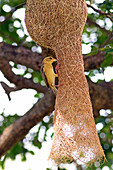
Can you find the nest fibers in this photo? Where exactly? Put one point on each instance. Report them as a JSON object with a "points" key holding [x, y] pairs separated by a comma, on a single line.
{"points": [[58, 24]]}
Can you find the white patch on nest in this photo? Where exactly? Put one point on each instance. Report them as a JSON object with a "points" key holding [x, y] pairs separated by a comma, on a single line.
{"points": [[68, 130], [85, 156]]}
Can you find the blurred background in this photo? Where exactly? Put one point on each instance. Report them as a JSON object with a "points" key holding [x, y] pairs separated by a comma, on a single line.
{"points": [[32, 152]]}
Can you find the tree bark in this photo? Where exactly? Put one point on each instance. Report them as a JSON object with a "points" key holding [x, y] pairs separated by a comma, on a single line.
{"points": [[101, 96], [23, 56]]}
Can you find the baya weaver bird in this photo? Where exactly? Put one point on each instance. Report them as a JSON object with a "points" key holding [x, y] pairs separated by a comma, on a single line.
{"points": [[48, 73]]}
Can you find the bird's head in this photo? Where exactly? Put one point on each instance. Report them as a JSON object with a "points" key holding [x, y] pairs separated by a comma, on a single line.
{"points": [[49, 60]]}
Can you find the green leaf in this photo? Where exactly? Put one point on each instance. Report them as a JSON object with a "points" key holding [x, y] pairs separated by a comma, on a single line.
{"points": [[108, 60], [23, 158], [31, 152]]}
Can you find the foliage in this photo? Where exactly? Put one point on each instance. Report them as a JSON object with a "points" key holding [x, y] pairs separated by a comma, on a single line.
{"points": [[95, 36]]}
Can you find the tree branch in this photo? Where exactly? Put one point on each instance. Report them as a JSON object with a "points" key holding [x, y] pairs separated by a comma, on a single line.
{"points": [[16, 131], [90, 22], [8, 89], [19, 81], [101, 96], [8, 16], [110, 37], [101, 12], [94, 61], [23, 56]]}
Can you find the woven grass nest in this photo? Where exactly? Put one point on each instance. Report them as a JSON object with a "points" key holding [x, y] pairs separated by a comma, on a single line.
{"points": [[59, 25]]}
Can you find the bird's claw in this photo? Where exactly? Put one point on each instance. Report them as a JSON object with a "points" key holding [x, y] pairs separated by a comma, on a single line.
{"points": [[59, 85]]}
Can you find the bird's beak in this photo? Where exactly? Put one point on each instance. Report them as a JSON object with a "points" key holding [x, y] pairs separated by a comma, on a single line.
{"points": [[54, 60]]}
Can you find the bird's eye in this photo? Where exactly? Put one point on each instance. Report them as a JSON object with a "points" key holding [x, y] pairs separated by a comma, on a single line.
{"points": [[50, 58]]}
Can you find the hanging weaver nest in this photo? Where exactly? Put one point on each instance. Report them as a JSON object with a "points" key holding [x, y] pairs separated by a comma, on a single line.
{"points": [[58, 24]]}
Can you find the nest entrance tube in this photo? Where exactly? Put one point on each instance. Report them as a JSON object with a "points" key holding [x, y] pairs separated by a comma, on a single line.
{"points": [[75, 135], [59, 25]]}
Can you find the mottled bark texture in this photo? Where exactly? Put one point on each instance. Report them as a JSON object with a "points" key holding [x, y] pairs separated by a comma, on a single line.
{"points": [[59, 25], [33, 60]]}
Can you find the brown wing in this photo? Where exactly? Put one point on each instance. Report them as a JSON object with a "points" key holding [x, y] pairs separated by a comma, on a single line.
{"points": [[44, 76]]}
